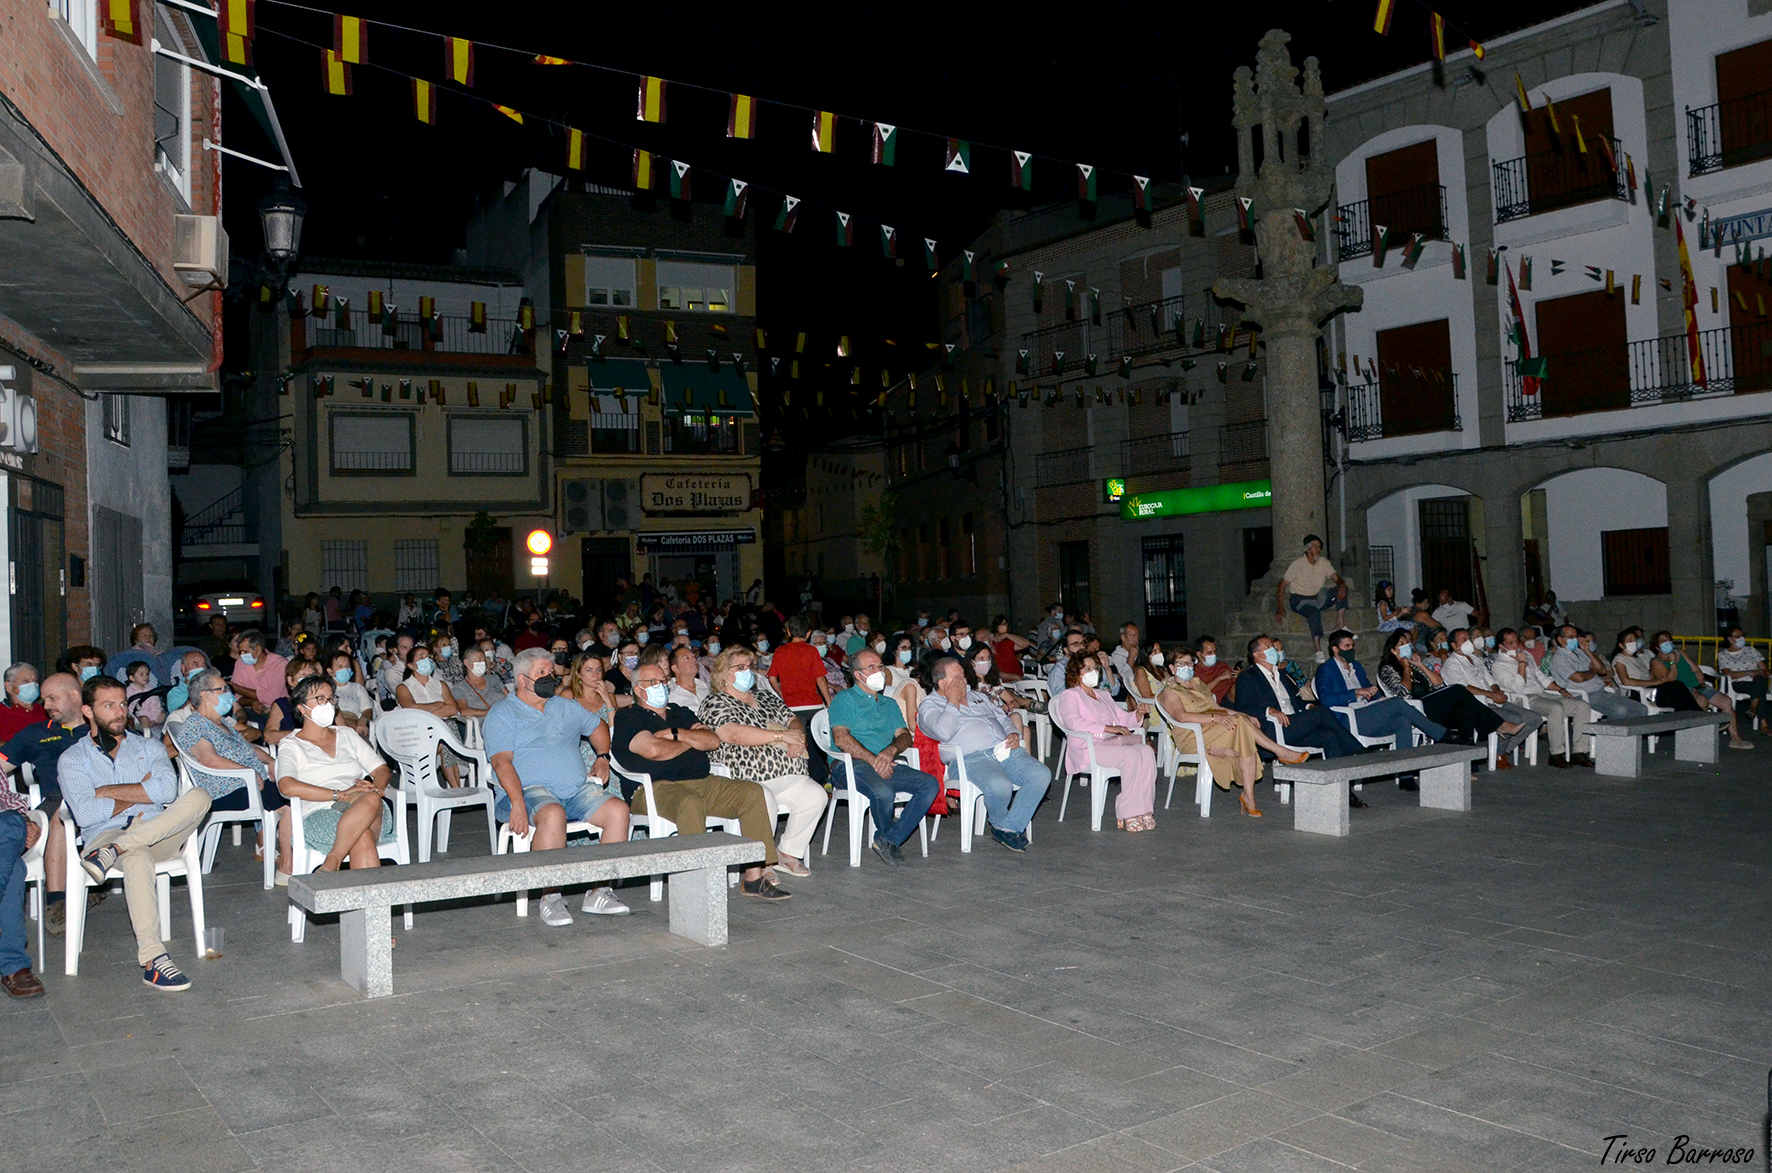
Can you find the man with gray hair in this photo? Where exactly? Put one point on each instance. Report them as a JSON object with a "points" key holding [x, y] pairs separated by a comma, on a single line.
{"points": [[20, 706], [978, 729]]}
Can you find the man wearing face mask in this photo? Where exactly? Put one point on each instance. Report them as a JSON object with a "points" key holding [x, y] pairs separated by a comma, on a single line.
{"points": [[1213, 672], [860, 638], [21, 707], [1575, 670], [1073, 646], [259, 677], [869, 727], [1518, 676], [82, 661], [1466, 666], [531, 741], [42, 745], [1341, 680], [1268, 695], [122, 791], [996, 759]]}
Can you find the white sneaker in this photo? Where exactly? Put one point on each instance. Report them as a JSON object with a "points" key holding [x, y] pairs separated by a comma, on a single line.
{"points": [[602, 902], [553, 911], [1322, 657]]}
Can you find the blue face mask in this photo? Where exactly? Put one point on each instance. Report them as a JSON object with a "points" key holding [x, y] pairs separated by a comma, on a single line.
{"points": [[1404, 651], [342, 675], [1488, 641], [224, 704], [88, 672], [447, 651], [248, 659], [1571, 644], [28, 693], [744, 680], [1271, 655], [1666, 647], [904, 655], [762, 644], [177, 696], [630, 662], [656, 695], [424, 667]]}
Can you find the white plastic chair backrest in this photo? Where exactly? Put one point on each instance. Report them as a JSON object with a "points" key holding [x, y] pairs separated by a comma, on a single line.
{"points": [[821, 734], [1071, 735], [36, 852], [28, 772], [247, 777], [411, 736]]}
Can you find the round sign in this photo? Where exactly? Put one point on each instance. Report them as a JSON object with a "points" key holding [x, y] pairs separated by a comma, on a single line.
{"points": [[540, 542]]}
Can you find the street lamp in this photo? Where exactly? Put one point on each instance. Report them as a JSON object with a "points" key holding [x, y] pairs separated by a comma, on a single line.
{"points": [[280, 215]]}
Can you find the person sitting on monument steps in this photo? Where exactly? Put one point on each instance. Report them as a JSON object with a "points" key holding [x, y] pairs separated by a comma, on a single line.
{"points": [[1309, 585], [1269, 696]]}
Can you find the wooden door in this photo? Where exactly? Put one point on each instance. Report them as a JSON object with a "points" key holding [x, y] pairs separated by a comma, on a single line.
{"points": [[1558, 173], [1403, 190], [1744, 103], [1750, 329], [1583, 339], [1415, 378], [490, 572]]}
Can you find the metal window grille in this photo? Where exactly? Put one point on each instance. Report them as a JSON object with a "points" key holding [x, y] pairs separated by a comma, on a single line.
{"points": [[372, 443], [344, 565], [415, 564], [1061, 468], [487, 444], [1383, 560]]}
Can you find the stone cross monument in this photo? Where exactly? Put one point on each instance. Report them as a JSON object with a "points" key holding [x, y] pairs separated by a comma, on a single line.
{"points": [[1294, 296]]}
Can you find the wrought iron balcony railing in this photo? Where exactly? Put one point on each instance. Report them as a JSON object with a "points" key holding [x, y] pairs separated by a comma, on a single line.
{"points": [[1418, 405], [1563, 178], [1730, 133], [1065, 467], [1417, 209], [1148, 455], [1736, 360], [450, 334], [1180, 325]]}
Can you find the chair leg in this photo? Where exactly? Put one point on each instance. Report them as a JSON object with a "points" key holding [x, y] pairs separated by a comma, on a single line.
{"points": [[236, 834], [1065, 800], [830, 811], [923, 829], [657, 888], [194, 889], [440, 841], [967, 813], [426, 817], [163, 888], [858, 819], [298, 923]]}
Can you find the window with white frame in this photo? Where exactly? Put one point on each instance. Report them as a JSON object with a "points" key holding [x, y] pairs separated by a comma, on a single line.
{"points": [[344, 565], [172, 112], [82, 20], [415, 564], [488, 445], [609, 281], [117, 419], [366, 444], [696, 286]]}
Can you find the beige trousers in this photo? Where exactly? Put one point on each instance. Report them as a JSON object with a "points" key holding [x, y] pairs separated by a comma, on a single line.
{"points": [[143, 844]]}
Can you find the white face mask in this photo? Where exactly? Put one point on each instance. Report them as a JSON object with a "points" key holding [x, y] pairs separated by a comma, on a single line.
{"points": [[1090, 678], [1630, 647], [1467, 647], [1739, 641], [981, 668], [1211, 658], [322, 715], [714, 647], [945, 644], [1157, 662], [880, 647], [875, 681], [964, 641], [478, 668]]}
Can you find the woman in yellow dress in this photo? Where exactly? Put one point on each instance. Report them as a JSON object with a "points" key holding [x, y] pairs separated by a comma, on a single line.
{"points": [[1229, 734]]}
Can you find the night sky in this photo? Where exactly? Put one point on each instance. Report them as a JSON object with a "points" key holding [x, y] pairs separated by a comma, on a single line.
{"points": [[1110, 84]]}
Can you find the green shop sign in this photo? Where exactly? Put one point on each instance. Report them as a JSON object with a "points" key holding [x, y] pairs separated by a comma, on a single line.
{"points": [[1207, 499]]}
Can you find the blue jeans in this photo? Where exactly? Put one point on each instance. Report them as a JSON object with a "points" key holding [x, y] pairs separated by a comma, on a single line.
{"points": [[1313, 606], [1394, 718], [13, 954], [880, 791], [1008, 809]]}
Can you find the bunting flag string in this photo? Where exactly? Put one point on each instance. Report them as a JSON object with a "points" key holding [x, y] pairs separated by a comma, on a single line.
{"points": [[1437, 26]]}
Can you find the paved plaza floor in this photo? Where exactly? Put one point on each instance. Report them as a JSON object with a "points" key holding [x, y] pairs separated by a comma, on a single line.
{"points": [[1574, 959]]}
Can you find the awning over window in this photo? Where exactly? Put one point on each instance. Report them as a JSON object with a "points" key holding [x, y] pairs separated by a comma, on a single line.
{"points": [[693, 387], [623, 374]]}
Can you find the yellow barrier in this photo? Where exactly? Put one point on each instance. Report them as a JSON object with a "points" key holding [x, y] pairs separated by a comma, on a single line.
{"points": [[1715, 642]]}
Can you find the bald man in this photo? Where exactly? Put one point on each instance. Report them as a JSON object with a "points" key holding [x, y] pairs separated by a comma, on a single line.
{"points": [[41, 744]]}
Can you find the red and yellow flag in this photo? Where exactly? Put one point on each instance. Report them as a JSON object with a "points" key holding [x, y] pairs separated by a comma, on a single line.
{"points": [[741, 119], [1437, 25], [335, 73], [1689, 298], [424, 101], [1525, 102], [575, 149], [350, 39], [514, 115], [1478, 51], [1381, 23], [237, 22], [458, 60], [642, 170], [122, 20], [824, 131], [650, 105], [544, 59]]}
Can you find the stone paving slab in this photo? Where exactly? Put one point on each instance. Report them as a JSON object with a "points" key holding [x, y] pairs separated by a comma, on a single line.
{"points": [[1499, 989]]}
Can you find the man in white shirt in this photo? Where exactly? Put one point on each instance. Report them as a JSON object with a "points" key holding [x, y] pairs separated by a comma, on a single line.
{"points": [[1467, 667], [1309, 585], [1125, 656], [1579, 674], [1452, 615], [1517, 676]]}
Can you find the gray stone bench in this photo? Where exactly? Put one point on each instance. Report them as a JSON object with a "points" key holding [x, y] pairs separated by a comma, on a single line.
{"points": [[1618, 745], [365, 899], [1320, 787]]}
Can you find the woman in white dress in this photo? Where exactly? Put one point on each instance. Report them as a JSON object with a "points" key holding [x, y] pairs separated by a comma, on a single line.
{"points": [[325, 763]]}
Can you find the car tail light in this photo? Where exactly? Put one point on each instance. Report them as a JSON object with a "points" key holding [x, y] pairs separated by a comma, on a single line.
{"points": [[202, 606], [258, 602]]}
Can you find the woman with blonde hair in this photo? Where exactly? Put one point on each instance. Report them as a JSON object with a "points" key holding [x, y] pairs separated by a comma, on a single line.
{"points": [[1229, 734]]}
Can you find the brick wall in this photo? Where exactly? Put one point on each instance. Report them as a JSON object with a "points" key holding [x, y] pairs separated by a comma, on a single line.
{"points": [[60, 459]]}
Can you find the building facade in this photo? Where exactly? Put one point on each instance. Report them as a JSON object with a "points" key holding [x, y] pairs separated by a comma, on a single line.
{"points": [[1617, 458], [650, 328], [819, 526], [112, 251]]}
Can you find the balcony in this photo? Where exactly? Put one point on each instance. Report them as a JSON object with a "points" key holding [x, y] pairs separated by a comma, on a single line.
{"points": [[1416, 209], [1729, 134], [1564, 178], [444, 335], [1149, 455], [1737, 360], [1065, 467], [1418, 406], [1150, 329], [1242, 451]]}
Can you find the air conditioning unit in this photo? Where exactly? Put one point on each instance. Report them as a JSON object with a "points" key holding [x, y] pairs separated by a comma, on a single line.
{"points": [[581, 506], [621, 504], [18, 416], [200, 250]]}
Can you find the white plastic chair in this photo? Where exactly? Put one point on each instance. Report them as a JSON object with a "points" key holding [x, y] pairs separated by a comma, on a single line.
{"points": [[1494, 738], [1202, 765], [254, 812], [972, 812], [1099, 775], [304, 859], [1643, 694], [411, 737], [187, 863], [34, 874], [657, 826], [1284, 789], [861, 814]]}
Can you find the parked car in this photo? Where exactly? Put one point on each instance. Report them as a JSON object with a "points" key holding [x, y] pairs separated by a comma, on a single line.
{"points": [[236, 599]]}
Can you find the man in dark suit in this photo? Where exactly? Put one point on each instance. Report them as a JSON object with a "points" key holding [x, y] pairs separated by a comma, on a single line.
{"points": [[1340, 680], [1265, 693]]}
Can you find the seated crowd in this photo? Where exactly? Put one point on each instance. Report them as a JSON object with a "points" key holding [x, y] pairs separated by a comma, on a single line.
{"points": [[677, 711]]}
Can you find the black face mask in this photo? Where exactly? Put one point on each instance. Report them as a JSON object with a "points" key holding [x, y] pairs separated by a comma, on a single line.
{"points": [[106, 740], [562, 658], [544, 686]]}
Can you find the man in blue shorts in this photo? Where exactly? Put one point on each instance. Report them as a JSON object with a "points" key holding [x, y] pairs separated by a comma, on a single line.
{"points": [[532, 740]]}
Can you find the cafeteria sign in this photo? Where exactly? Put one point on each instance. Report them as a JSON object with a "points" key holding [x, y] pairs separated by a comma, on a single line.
{"points": [[1207, 499]]}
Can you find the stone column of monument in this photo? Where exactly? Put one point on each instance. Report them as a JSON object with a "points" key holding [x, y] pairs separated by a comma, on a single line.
{"points": [[1293, 296]]}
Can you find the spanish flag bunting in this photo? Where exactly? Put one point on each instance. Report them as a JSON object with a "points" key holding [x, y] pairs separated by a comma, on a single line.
{"points": [[1525, 102], [679, 180], [1630, 174], [800, 342], [237, 18], [320, 301], [458, 61], [1021, 170], [375, 305], [122, 20], [335, 74], [642, 170], [741, 117], [650, 102], [350, 38], [514, 115], [670, 333], [575, 324], [1611, 283], [762, 340], [845, 230], [959, 156], [437, 394], [1604, 142], [424, 101], [236, 50], [1636, 289], [1381, 21], [824, 131], [1550, 114], [427, 308], [1580, 139], [476, 317], [525, 315], [544, 59], [1086, 182], [575, 149], [737, 196], [1478, 51], [789, 212], [1437, 25], [1141, 193], [883, 150]]}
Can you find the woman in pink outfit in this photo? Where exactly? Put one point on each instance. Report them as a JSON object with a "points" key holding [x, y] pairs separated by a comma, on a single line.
{"points": [[1094, 715]]}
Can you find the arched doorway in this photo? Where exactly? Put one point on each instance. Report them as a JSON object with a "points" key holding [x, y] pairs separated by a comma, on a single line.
{"points": [[1431, 537], [1597, 533]]}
